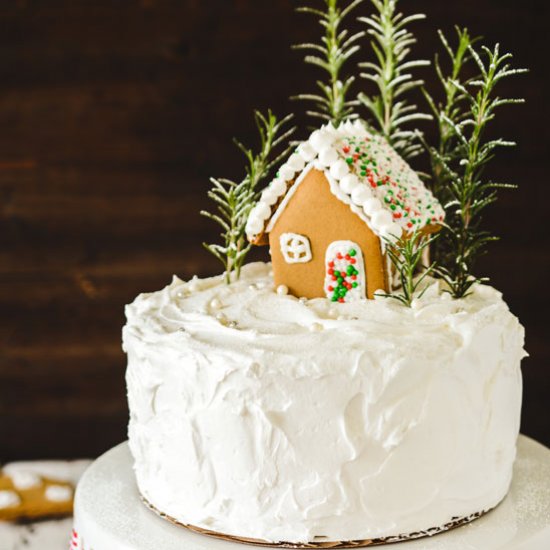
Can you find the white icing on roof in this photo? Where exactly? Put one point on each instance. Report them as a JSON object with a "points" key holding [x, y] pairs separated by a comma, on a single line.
{"points": [[363, 171]]}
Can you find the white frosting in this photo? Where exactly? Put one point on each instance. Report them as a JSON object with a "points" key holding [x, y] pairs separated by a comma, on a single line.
{"points": [[359, 166], [286, 420]]}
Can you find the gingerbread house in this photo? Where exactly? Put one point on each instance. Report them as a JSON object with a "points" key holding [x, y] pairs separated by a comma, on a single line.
{"points": [[331, 210]]}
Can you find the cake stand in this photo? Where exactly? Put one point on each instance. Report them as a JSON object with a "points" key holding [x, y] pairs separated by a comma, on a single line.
{"points": [[111, 516]]}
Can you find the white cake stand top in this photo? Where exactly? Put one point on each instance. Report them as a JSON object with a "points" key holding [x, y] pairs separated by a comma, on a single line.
{"points": [[109, 514]]}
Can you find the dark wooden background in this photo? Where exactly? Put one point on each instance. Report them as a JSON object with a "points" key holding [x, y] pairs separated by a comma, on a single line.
{"points": [[112, 117]]}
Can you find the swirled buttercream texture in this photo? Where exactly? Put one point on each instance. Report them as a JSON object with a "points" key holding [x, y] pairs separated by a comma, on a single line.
{"points": [[256, 414]]}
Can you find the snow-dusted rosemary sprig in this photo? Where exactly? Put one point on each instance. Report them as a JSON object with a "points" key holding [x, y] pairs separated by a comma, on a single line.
{"points": [[406, 255], [336, 47], [390, 72], [453, 107], [235, 200], [462, 156]]}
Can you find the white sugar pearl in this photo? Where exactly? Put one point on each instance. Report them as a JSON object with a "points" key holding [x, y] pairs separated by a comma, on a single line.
{"points": [[9, 499], [371, 206], [349, 183], [307, 152], [320, 140], [220, 317], [278, 186], [360, 194], [392, 231], [368, 194], [269, 196], [254, 225], [262, 211], [381, 218], [286, 172], [328, 156], [215, 303], [339, 169], [58, 493], [25, 480], [316, 327], [296, 162], [282, 290]]}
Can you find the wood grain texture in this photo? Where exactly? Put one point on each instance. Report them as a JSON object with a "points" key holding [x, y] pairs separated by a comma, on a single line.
{"points": [[114, 115]]}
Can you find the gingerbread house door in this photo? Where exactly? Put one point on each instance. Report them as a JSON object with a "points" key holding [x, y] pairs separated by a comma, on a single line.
{"points": [[345, 279]]}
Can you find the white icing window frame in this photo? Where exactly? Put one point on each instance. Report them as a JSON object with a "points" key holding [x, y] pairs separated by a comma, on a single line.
{"points": [[295, 248], [339, 264]]}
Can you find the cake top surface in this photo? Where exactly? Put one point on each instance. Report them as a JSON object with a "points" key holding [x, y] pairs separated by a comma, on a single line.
{"points": [[363, 171], [206, 312]]}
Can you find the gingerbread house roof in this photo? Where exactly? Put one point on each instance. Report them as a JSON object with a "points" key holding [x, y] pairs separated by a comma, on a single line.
{"points": [[363, 171]]}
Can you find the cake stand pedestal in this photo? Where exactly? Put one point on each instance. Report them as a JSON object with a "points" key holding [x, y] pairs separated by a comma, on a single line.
{"points": [[111, 516]]}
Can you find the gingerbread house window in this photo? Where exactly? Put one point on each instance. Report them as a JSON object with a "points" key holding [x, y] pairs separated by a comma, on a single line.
{"points": [[296, 249]]}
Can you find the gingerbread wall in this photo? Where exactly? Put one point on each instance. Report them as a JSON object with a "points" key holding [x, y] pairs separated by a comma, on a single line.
{"points": [[313, 211]]}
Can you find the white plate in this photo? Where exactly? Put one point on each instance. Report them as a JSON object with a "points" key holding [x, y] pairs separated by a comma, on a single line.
{"points": [[112, 516]]}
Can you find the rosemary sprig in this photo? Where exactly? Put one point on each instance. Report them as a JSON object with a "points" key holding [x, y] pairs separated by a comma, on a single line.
{"points": [[235, 200], [335, 49], [406, 255], [463, 153], [391, 74], [454, 107]]}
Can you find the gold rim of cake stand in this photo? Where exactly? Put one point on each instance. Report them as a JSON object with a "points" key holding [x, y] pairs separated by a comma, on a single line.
{"points": [[453, 524]]}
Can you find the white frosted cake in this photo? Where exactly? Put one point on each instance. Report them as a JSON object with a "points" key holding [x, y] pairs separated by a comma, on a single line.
{"points": [[364, 386], [258, 415]]}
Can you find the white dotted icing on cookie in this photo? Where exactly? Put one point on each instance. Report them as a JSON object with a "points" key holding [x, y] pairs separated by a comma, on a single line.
{"points": [[9, 499], [58, 493], [25, 480], [365, 172]]}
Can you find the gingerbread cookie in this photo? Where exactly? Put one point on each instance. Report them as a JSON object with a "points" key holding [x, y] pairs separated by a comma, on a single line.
{"points": [[26, 495]]}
